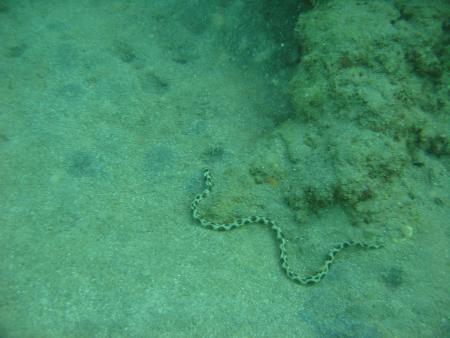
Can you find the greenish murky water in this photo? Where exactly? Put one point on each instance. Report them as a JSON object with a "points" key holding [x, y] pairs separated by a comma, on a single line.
{"points": [[330, 117]]}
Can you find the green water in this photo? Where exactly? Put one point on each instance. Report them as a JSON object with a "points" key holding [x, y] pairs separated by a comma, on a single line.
{"points": [[330, 117]]}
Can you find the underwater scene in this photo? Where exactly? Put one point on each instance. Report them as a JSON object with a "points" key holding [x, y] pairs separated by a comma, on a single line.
{"points": [[224, 168]]}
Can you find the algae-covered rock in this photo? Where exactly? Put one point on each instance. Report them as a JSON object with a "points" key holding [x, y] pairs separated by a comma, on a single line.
{"points": [[371, 100], [381, 65], [364, 162]]}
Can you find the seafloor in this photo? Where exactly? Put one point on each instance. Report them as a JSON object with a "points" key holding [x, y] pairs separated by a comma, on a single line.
{"points": [[330, 117]]}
